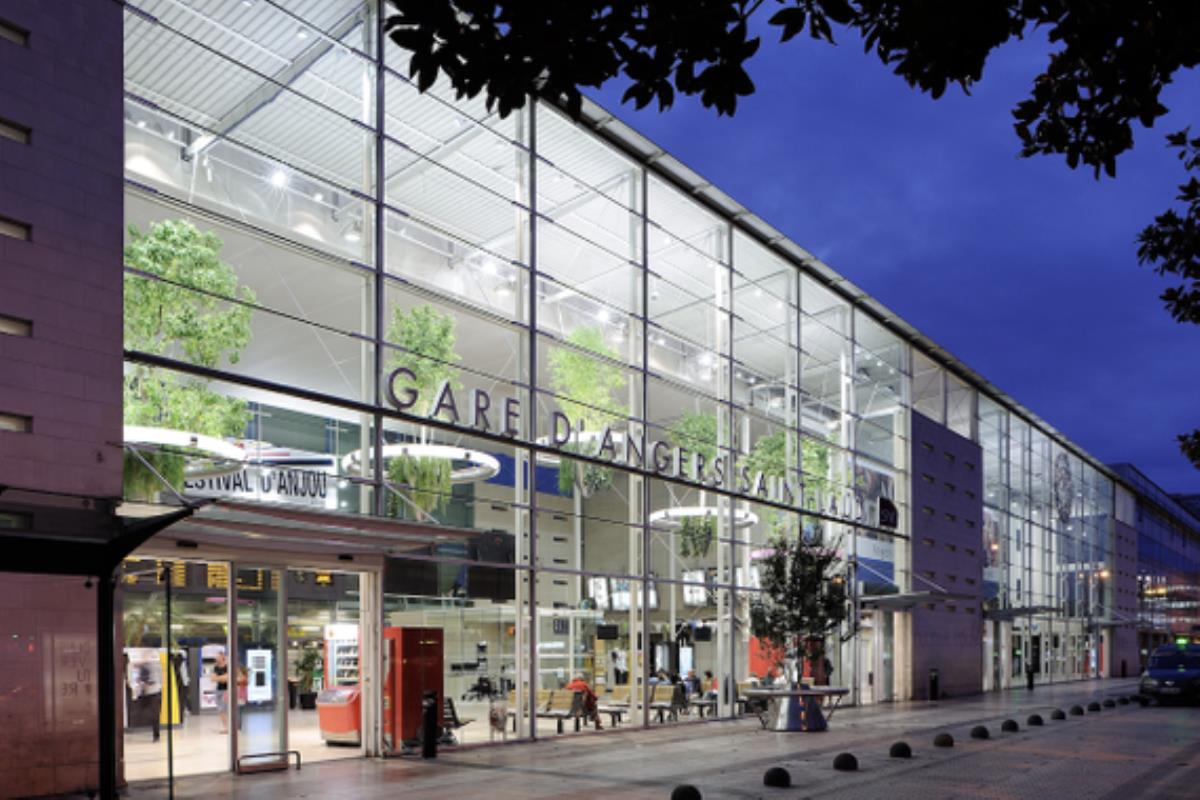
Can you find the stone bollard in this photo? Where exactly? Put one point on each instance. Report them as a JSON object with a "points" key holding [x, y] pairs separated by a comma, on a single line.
{"points": [[777, 778], [845, 762]]}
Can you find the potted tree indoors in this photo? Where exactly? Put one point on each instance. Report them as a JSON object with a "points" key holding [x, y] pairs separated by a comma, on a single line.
{"points": [[180, 312], [697, 433], [587, 388], [306, 670], [427, 337]]}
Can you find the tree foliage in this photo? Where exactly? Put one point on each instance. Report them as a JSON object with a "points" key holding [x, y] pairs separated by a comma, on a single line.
{"points": [[194, 310], [803, 599], [1108, 64], [588, 390], [695, 432], [1172, 245], [427, 338]]}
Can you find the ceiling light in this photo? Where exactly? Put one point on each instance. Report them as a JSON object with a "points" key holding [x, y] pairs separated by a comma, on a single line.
{"points": [[279, 179], [353, 234], [301, 33], [141, 123], [602, 315], [317, 196]]}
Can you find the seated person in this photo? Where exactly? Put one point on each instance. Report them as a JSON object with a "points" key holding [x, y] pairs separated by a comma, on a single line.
{"points": [[590, 711], [711, 683], [692, 683]]}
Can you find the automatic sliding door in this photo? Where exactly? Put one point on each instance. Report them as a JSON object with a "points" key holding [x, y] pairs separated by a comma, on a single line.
{"points": [[256, 678]]}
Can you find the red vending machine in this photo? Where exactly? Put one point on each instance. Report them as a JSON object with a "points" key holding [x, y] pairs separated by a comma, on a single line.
{"points": [[412, 666]]}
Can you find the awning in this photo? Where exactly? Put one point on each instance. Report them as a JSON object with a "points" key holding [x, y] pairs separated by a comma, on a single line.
{"points": [[905, 601], [1009, 614], [274, 526]]}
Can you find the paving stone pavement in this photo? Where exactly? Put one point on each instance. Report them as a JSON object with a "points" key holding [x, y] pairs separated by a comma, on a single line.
{"points": [[1119, 753]]}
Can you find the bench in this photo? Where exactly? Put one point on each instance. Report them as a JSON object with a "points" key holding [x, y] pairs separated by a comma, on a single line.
{"points": [[615, 703], [563, 705], [667, 699], [704, 704], [543, 700], [451, 721], [745, 704]]}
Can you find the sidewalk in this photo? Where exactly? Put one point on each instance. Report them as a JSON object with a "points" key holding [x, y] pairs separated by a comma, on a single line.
{"points": [[1127, 748]]}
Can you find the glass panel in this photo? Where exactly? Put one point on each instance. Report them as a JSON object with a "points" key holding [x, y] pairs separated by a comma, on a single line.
{"points": [[255, 681], [323, 653]]}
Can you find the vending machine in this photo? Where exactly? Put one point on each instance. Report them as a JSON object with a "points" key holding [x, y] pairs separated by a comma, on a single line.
{"points": [[341, 654], [412, 666]]}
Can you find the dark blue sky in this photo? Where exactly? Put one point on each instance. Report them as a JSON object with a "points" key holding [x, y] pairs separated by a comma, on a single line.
{"points": [[1022, 268]]}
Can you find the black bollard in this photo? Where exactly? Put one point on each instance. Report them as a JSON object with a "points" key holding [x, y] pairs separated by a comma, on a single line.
{"points": [[429, 725]]}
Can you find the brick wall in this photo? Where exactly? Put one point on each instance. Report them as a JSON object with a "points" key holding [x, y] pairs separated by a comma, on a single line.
{"points": [[947, 550], [60, 247]]}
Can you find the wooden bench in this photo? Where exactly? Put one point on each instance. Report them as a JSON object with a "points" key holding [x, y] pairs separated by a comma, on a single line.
{"points": [[543, 700], [748, 704], [615, 703], [666, 700], [703, 704], [563, 705]]}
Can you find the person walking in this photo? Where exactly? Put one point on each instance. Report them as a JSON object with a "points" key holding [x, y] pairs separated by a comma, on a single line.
{"points": [[149, 685]]}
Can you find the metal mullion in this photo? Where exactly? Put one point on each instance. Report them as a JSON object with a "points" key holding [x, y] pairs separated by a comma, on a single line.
{"points": [[530, 456], [729, 633], [380, 254], [640, 652]]}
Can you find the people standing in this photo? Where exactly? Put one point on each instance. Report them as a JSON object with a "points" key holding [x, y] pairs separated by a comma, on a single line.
{"points": [[221, 678], [620, 667]]}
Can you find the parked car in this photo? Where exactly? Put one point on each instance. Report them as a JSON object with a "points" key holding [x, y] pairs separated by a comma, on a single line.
{"points": [[1173, 674]]}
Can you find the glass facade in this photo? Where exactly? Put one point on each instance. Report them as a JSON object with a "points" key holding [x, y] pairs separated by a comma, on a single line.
{"points": [[591, 398], [409, 308]]}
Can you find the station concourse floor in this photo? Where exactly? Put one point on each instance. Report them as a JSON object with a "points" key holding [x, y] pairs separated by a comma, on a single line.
{"points": [[1117, 753]]}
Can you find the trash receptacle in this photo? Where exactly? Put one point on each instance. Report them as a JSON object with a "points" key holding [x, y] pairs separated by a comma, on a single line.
{"points": [[934, 689]]}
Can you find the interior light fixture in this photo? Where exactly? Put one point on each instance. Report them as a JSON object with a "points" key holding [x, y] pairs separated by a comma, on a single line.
{"points": [[353, 234], [279, 179], [301, 33], [317, 196], [602, 315], [141, 123]]}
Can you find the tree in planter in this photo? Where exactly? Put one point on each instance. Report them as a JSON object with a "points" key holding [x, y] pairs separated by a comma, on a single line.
{"points": [[181, 312], [427, 336], [803, 600], [586, 387], [306, 670], [696, 433]]}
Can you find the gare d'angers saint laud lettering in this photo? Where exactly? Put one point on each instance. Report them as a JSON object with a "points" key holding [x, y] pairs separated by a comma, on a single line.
{"points": [[727, 471]]}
